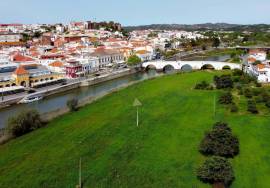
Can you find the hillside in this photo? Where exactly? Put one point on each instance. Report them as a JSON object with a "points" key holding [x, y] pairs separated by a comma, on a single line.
{"points": [[203, 27]]}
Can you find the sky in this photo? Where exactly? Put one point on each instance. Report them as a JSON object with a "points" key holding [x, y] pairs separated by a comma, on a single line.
{"points": [[136, 12]]}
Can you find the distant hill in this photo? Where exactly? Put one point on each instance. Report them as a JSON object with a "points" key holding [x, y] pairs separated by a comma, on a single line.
{"points": [[202, 27]]}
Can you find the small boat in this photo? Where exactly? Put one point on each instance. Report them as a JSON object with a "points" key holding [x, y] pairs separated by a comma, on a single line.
{"points": [[30, 99]]}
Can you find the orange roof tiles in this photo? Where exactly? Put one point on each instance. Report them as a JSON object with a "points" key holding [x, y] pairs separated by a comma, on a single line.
{"points": [[260, 66], [54, 50], [142, 52], [57, 64], [251, 59], [20, 71], [21, 58]]}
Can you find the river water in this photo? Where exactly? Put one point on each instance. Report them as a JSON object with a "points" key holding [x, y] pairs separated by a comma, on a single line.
{"points": [[58, 101]]}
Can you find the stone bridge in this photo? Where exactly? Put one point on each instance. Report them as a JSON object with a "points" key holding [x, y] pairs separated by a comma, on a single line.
{"points": [[190, 65]]}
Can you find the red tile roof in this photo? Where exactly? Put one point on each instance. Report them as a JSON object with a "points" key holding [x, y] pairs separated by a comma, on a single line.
{"points": [[20, 71], [57, 64], [21, 58], [261, 66]]}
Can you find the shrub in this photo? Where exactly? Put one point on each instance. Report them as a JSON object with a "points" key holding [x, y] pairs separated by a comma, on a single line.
{"points": [[237, 72], [256, 91], [202, 85], [220, 142], [248, 93], [72, 104], [239, 86], [236, 79], [246, 79], [265, 96], [223, 81], [25, 122], [267, 104], [226, 98], [133, 60], [257, 62], [258, 84], [234, 108], [216, 170], [252, 107], [240, 92], [258, 99]]}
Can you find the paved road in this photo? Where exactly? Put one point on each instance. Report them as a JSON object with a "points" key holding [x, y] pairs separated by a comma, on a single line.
{"points": [[181, 55]]}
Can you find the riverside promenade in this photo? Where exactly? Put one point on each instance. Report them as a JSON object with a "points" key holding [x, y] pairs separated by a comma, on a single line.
{"points": [[72, 84]]}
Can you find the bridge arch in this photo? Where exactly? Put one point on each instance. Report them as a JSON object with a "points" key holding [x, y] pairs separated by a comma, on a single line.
{"points": [[168, 68], [208, 66], [186, 68], [226, 67], [150, 67]]}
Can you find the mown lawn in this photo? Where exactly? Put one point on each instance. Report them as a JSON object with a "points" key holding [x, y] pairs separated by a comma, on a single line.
{"points": [[162, 152]]}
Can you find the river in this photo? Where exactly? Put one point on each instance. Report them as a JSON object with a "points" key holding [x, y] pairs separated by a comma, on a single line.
{"points": [[58, 101]]}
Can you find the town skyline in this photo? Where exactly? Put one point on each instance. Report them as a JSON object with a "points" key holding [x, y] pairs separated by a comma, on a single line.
{"points": [[137, 13]]}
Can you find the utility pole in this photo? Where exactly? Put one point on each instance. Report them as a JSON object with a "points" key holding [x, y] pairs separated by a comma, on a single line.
{"points": [[215, 105], [136, 104]]}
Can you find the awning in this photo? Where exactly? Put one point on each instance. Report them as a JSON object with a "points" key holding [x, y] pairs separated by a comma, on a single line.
{"points": [[46, 82], [80, 73]]}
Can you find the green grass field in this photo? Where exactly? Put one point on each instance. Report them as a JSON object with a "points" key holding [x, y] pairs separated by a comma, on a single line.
{"points": [[162, 152]]}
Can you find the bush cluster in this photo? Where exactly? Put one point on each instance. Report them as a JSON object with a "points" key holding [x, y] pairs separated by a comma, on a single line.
{"points": [[248, 93], [223, 81], [72, 104], [226, 98], [234, 107], [221, 144], [204, 86], [251, 107], [216, 169], [23, 123]]}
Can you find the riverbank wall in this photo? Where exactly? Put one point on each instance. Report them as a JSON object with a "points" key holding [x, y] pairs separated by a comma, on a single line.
{"points": [[80, 83]]}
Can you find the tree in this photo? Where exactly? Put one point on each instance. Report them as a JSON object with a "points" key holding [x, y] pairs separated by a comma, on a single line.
{"points": [[72, 104], [267, 103], [134, 60], [226, 98], [204, 47], [25, 37], [25, 122], [268, 56], [216, 170], [251, 107], [220, 142], [223, 81], [216, 42], [37, 34], [237, 72], [257, 62], [234, 108], [248, 93], [203, 85]]}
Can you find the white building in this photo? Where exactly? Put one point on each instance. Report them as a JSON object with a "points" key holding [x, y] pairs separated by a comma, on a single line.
{"points": [[10, 37], [89, 65]]}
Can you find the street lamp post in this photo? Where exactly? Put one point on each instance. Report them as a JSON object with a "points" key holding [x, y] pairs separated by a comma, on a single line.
{"points": [[2, 93], [136, 104]]}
